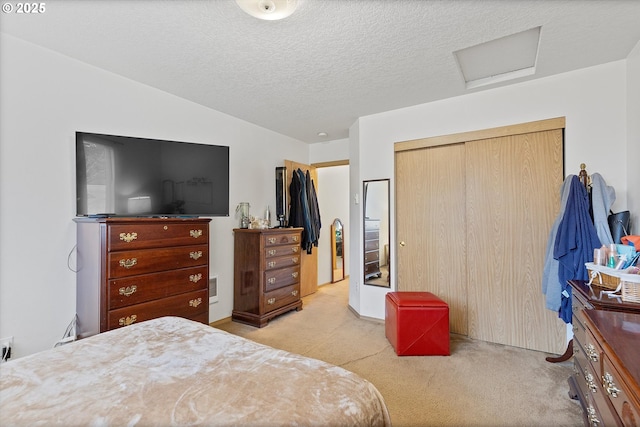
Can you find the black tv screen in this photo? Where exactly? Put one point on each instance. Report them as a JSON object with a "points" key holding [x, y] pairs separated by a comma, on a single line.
{"points": [[127, 176]]}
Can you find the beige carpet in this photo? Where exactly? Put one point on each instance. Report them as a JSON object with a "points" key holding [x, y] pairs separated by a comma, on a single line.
{"points": [[480, 384]]}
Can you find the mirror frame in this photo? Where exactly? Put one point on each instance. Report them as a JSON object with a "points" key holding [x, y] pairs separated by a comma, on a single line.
{"points": [[376, 233], [337, 251]]}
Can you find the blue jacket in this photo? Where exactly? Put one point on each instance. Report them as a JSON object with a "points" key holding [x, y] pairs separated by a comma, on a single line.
{"points": [[575, 241]]}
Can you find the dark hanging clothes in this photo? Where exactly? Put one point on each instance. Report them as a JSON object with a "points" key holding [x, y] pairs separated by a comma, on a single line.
{"points": [[575, 241], [304, 211]]}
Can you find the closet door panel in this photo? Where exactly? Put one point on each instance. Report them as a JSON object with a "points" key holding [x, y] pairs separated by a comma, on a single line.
{"points": [[430, 226], [512, 187]]}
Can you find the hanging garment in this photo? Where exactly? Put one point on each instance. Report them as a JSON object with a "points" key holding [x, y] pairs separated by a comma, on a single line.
{"points": [[304, 211], [551, 286], [314, 212], [575, 241], [602, 197]]}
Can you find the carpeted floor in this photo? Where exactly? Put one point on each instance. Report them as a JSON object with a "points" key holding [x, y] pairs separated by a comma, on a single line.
{"points": [[480, 384]]}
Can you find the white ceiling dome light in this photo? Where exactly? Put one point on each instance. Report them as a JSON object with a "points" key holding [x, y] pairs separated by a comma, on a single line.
{"points": [[269, 10]]}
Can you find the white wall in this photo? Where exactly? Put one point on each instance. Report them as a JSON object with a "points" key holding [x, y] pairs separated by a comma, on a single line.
{"points": [[46, 97], [633, 137], [593, 100]]}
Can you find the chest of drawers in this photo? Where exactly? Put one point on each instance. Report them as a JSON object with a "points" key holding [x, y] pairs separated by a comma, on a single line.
{"points": [[136, 269], [266, 274], [606, 349], [372, 248]]}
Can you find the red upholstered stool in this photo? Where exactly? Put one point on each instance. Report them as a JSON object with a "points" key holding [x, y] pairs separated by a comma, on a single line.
{"points": [[417, 324]]}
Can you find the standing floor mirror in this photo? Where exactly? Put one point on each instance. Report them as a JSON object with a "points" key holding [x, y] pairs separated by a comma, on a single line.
{"points": [[377, 254], [337, 251]]}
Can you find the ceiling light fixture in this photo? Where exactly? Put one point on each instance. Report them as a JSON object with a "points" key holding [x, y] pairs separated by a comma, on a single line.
{"points": [[323, 134], [269, 10]]}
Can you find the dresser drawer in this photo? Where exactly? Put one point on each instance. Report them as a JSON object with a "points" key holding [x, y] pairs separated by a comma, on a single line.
{"points": [[371, 245], [189, 305], [371, 235], [586, 376], [372, 268], [130, 263], [278, 251], [579, 331], [619, 394], [282, 239], [287, 261], [142, 236], [371, 256], [147, 287], [275, 279], [281, 297]]}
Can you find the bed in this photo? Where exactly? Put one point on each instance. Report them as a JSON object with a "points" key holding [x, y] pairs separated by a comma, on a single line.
{"points": [[173, 371]]}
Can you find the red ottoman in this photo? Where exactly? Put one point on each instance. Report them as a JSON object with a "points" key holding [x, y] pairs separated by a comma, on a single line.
{"points": [[417, 324]]}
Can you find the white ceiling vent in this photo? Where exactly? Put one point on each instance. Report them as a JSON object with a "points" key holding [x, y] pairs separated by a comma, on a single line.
{"points": [[498, 60]]}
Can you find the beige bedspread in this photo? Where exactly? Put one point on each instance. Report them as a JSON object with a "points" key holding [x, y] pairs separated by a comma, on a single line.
{"points": [[172, 371]]}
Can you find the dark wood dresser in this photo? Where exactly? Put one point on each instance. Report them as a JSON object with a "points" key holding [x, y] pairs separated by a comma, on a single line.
{"points": [[372, 248], [266, 274], [136, 269], [606, 352]]}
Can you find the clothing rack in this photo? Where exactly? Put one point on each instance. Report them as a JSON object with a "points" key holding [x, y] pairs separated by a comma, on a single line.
{"points": [[584, 177]]}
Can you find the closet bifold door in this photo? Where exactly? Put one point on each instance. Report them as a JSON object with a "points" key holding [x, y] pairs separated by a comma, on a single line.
{"points": [[473, 215]]}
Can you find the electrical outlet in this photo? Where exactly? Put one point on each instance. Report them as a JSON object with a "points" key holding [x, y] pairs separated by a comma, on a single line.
{"points": [[6, 344]]}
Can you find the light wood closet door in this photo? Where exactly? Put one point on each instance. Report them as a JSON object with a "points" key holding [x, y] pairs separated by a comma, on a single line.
{"points": [[512, 198], [473, 215], [430, 207]]}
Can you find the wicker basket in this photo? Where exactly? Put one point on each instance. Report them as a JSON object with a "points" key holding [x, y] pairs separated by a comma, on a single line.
{"points": [[630, 287], [604, 276]]}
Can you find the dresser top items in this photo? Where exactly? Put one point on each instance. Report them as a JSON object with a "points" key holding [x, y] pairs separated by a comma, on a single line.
{"points": [[595, 295]]}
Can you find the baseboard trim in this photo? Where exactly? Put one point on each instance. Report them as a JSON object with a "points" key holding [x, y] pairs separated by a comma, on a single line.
{"points": [[370, 319]]}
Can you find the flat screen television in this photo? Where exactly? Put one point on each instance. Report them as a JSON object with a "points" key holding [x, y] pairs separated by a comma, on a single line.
{"points": [[128, 176]]}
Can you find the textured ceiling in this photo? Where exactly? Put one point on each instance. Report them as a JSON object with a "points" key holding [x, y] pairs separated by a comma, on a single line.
{"points": [[329, 63]]}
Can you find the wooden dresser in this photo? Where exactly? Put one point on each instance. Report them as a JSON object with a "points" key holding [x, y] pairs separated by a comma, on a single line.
{"points": [[266, 274], [606, 349], [372, 248], [136, 269]]}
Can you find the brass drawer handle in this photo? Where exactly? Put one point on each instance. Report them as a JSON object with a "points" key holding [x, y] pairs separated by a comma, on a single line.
{"points": [[271, 280], [610, 385], [126, 321], [195, 233], [195, 302], [294, 274], [294, 238], [272, 264], [592, 385], [591, 352], [272, 240], [128, 263], [195, 255], [294, 293], [128, 291], [271, 301], [295, 249], [195, 278], [294, 260], [128, 237], [272, 252], [593, 416]]}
